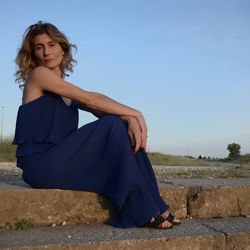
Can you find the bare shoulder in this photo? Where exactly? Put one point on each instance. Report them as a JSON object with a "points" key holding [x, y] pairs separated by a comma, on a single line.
{"points": [[39, 73], [32, 90], [44, 79]]}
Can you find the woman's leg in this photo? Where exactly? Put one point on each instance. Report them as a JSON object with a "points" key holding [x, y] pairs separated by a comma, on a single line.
{"points": [[99, 158], [149, 175]]}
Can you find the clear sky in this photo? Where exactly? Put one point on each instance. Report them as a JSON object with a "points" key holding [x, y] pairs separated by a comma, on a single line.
{"points": [[184, 63]]}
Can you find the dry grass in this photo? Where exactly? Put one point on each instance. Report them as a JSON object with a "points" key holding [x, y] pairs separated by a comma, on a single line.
{"points": [[7, 150], [170, 160]]}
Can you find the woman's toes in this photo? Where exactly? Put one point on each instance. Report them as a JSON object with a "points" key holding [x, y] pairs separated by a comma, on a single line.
{"points": [[166, 224]]}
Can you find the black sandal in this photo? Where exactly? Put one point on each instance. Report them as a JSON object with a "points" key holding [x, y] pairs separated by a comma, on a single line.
{"points": [[172, 219], [157, 222]]}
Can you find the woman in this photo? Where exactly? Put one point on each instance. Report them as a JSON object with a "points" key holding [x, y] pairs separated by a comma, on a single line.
{"points": [[106, 156]]}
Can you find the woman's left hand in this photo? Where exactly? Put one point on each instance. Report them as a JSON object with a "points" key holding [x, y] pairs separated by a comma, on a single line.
{"points": [[144, 131], [135, 134]]}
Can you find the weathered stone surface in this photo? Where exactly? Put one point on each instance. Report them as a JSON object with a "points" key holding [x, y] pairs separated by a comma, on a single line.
{"points": [[238, 241], [225, 201], [45, 207], [176, 197], [184, 243], [243, 195], [54, 206], [236, 231], [191, 235]]}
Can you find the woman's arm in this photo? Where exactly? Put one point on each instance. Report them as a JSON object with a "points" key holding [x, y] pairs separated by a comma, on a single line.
{"points": [[44, 79], [47, 80], [96, 113]]}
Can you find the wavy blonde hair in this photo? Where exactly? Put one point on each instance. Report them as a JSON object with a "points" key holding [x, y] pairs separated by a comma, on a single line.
{"points": [[26, 60]]}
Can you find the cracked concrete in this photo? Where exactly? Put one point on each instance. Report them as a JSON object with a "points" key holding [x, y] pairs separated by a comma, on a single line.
{"points": [[209, 234], [198, 198], [237, 233]]}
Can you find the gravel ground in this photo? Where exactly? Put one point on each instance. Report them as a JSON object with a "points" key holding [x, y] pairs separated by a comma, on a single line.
{"points": [[9, 173], [164, 173]]}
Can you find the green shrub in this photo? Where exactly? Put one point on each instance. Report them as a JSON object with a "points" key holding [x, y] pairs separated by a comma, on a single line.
{"points": [[245, 159], [22, 224]]}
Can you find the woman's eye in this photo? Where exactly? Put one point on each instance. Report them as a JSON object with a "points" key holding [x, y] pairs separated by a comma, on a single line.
{"points": [[52, 44]]}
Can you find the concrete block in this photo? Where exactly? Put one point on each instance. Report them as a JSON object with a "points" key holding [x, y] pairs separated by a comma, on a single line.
{"points": [[238, 241], [243, 195], [191, 235], [55, 206], [52, 206], [209, 202], [176, 197]]}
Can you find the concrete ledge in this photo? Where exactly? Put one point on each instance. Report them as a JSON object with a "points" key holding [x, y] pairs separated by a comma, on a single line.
{"points": [[209, 234], [53, 206], [225, 201]]}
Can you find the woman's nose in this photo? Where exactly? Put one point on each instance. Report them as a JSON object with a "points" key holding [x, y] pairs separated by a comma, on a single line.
{"points": [[46, 51]]}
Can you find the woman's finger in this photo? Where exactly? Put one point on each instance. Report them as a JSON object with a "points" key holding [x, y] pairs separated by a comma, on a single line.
{"points": [[142, 125], [131, 137], [137, 145], [144, 142], [138, 141]]}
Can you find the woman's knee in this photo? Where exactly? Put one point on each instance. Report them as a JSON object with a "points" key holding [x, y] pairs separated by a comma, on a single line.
{"points": [[113, 120], [115, 125]]}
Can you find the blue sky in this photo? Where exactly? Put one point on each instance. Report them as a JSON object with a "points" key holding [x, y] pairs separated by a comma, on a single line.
{"points": [[184, 63]]}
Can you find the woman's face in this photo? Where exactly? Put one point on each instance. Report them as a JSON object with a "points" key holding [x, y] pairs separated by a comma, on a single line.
{"points": [[48, 52]]}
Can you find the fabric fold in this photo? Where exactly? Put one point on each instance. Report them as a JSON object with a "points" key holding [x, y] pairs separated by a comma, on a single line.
{"points": [[47, 127]]}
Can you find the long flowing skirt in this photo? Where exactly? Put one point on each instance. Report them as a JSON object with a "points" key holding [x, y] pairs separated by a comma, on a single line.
{"points": [[98, 157]]}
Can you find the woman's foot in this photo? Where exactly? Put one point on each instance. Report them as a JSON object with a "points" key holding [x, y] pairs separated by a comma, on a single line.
{"points": [[168, 216], [159, 222], [164, 225]]}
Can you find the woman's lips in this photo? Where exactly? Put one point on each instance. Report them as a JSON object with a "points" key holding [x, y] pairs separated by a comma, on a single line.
{"points": [[48, 60]]}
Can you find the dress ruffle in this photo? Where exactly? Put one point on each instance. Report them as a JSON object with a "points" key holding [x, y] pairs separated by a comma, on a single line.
{"points": [[47, 127]]}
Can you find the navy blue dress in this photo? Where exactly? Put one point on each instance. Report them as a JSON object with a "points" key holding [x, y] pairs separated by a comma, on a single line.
{"points": [[97, 157]]}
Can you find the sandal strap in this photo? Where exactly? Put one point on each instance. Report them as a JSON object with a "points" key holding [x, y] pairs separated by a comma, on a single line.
{"points": [[170, 217], [158, 220]]}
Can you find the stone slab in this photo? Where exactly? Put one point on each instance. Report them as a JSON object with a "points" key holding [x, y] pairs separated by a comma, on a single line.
{"points": [[236, 230], [176, 197], [224, 201], [189, 235], [53, 206], [208, 234]]}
